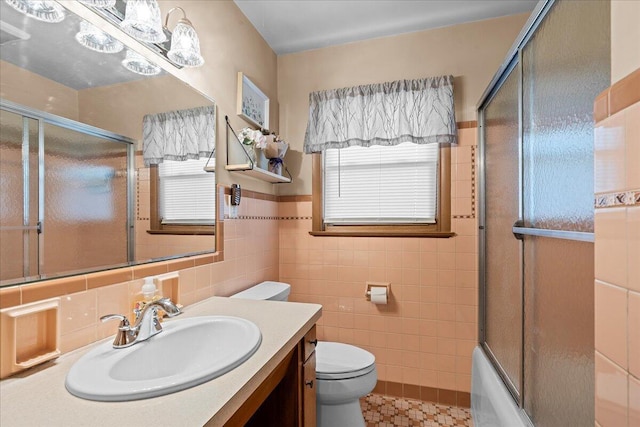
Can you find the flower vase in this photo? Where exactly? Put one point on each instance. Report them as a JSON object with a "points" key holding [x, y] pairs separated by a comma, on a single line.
{"points": [[250, 153], [260, 160], [275, 166]]}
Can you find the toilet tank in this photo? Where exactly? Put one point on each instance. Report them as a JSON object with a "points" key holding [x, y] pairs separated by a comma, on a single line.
{"points": [[274, 291]]}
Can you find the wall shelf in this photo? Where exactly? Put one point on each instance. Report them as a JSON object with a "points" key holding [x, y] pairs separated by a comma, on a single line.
{"points": [[256, 172], [244, 164]]}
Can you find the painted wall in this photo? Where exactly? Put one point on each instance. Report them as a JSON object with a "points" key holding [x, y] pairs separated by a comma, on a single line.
{"points": [[120, 108], [625, 38], [32, 90], [470, 52]]}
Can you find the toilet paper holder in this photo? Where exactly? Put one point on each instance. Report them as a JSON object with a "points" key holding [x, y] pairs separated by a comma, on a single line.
{"points": [[377, 285]]}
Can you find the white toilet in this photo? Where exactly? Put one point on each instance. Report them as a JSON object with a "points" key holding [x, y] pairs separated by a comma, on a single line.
{"points": [[344, 373]]}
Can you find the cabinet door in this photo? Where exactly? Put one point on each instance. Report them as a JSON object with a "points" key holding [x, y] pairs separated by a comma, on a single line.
{"points": [[309, 392]]}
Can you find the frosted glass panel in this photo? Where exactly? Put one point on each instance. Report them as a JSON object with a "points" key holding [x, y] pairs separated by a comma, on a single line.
{"points": [[85, 201], [565, 66], [18, 209], [559, 343], [503, 289]]}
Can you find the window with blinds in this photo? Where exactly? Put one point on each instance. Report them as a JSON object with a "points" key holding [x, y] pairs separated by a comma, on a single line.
{"points": [[381, 185], [187, 193]]}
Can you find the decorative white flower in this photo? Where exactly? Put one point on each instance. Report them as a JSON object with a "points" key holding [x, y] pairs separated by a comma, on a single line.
{"points": [[249, 136]]}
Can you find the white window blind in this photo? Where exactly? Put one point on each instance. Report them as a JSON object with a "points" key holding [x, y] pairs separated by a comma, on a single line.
{"points": [[187, 192], [381, 184]]}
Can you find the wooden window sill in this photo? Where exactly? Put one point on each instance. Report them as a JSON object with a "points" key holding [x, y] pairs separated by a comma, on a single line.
{"points": [[432, 234], [184, 232]]}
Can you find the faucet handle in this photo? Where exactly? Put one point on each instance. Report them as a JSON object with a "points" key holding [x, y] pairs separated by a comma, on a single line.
{"points": [[124, 322], [121, 339]]}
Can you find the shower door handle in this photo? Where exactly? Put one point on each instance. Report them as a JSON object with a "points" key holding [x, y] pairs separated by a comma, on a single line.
{"points": [[517, 226]]}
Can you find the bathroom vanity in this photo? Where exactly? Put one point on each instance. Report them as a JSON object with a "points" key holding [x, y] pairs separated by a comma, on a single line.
{"points": [[275, 386]]}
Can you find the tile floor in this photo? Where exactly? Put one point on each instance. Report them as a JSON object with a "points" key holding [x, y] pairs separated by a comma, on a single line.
{"points": [[386, 411]]}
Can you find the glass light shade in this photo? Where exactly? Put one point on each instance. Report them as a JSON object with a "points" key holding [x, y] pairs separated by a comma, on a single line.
{"points": [[185, 46], [139, 64], [143, 21], [103, 4], [96, 39], [47, 11]]}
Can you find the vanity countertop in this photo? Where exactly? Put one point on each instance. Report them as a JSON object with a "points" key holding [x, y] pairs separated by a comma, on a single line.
{"points": [[38, 397]]}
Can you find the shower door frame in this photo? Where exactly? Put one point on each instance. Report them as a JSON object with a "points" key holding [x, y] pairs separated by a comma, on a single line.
{"points": [[513, 63], [41, 118]]}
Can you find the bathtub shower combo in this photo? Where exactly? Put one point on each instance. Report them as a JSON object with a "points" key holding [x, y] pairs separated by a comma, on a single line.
{"points": [[535, 359]]}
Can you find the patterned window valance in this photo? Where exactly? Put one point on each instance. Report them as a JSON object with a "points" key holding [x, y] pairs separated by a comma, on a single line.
{"points": [[419, 111], [179, 135]]}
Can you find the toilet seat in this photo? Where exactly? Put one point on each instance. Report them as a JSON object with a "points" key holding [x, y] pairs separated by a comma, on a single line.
{"points": [[338, 361]]}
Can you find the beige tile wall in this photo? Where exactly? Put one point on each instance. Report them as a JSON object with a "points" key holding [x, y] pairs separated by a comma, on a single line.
{"points": [[617, 270], [425, 334]]}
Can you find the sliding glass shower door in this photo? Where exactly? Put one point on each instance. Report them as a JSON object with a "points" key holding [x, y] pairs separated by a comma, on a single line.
{"points": [[64, 204], [503, 290], [537, 224], [18, 196]]}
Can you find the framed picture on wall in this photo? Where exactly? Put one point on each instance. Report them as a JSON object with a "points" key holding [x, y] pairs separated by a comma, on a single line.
{"points": [[253, 104]]}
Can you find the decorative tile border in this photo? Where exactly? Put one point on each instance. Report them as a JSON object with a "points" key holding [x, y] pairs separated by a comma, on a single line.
{"points": [[295, 217], [473, 188], [610, 200], [244, 217], [138, 217]]}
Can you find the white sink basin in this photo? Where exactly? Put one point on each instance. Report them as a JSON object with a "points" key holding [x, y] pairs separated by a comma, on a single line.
{"points": [[186, 353]]}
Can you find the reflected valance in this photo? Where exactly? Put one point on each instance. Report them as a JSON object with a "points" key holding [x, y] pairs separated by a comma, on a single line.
{"points": [[179, 135], [419, 111]]}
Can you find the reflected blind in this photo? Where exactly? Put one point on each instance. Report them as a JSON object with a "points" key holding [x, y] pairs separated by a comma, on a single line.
{"points": [[378, 184], [187, 192]]}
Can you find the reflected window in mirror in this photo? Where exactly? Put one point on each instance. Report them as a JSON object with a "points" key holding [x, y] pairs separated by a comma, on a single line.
{"points": [[183, 198]]}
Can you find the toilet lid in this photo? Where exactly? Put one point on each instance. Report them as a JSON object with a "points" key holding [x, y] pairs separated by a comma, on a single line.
{"points": [[268, 290], [340, 361]]}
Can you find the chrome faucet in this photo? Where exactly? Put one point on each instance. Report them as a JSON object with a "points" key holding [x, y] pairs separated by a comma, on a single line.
{"points": [[146, 325]]}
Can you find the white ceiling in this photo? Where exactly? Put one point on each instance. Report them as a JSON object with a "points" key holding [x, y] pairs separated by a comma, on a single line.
{"points": [[295, 25]]}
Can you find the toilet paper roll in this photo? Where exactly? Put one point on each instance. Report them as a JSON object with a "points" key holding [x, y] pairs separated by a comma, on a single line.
{"points": [[378, 295]]}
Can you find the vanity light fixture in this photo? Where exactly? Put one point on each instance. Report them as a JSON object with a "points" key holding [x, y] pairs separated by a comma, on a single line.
{"points": [[46, 10], [185, 45], [139, 64], [143, 21], [95, 39], [102, 4]]}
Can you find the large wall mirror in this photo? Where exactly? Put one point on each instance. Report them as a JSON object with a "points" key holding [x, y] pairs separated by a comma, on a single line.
{"points": [[75, 194]]}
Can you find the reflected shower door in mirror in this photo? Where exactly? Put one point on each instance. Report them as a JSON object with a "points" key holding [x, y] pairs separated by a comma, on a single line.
{"points": [[45, 70], [65, 205]]}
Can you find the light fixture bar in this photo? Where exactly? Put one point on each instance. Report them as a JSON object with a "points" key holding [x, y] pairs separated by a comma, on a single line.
{"points": [[115, 15], [42, 10]]}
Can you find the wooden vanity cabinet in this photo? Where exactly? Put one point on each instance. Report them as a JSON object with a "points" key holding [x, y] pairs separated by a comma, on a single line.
{"points": [[309, 384], [287, 398]]}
